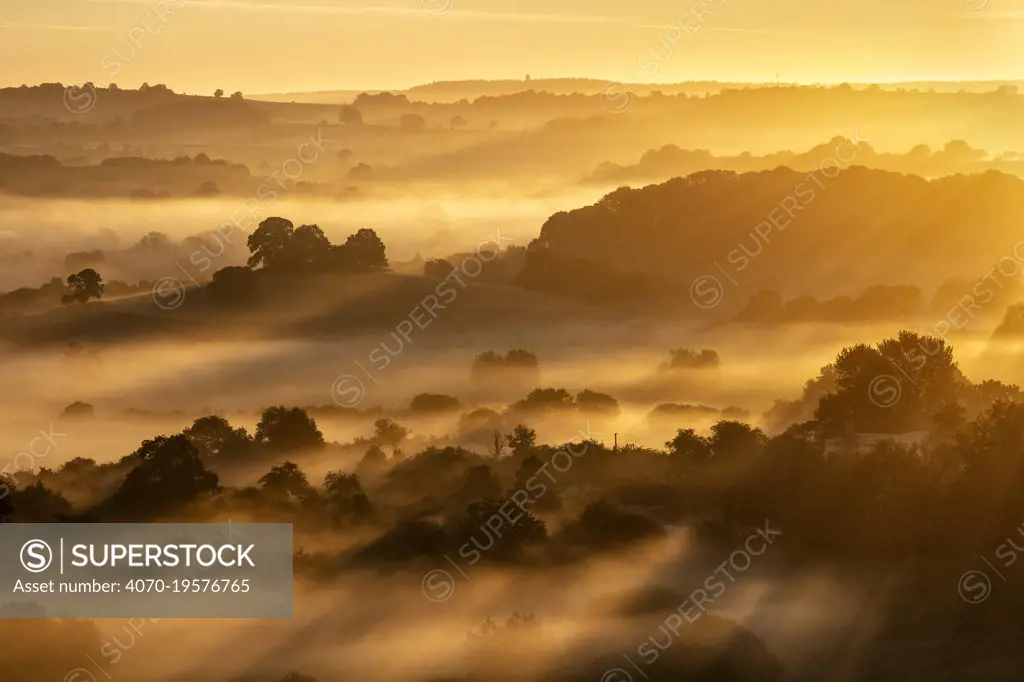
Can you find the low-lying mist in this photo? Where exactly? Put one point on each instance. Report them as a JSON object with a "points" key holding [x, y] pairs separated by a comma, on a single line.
{"points": [[36, 235], [430, 622], [139, 389]]}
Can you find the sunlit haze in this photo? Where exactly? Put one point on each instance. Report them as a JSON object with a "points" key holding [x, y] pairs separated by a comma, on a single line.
{"points": [[511, 341], [264, 46]]}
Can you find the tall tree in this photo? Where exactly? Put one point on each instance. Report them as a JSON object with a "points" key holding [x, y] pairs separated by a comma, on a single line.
{"points": [[270, 243]]}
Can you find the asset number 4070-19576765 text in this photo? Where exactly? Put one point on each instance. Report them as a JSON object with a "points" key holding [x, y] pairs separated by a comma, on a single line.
{"points": [[188, 585]]}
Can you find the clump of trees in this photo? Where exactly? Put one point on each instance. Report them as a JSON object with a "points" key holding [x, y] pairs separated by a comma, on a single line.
{"points": [[546, 400], [277, 245], [84, 285]]}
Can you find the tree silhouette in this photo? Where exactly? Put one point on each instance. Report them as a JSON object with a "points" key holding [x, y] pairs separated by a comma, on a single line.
{"points": [[147, 449], [282, 430], [592, 401], [233, 285], [689, 446], [345, 497], [285, 481], [1013, 322], [523, 530], [544, 400], [84, 285], [309, 246], [349, 115], [169, 475], [215, 438], [363, 250], [270, 243], [522, 439], [218, 93], [894, 387], [497, 445], [458, 122], [373, 464], [412, 122], [278, 246], [434, 402], [207, 188], [388, 432], [603, 526], [735, 439]]}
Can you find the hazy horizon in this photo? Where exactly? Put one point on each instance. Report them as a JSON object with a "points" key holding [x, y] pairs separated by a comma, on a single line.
{"points": [[200, 45]]}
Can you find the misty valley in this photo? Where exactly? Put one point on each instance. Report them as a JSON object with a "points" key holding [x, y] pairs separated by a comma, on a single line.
{"points": [[693, 373]]}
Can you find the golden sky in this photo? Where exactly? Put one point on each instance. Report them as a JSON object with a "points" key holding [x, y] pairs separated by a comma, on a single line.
{"points": [[295, 45]]}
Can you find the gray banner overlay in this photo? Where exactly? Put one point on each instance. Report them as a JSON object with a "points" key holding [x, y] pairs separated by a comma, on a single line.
{"points": [[152, 570]]}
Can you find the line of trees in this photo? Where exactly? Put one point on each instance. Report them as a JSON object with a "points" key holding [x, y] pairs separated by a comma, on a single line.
{"points": [[277, 245]]}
